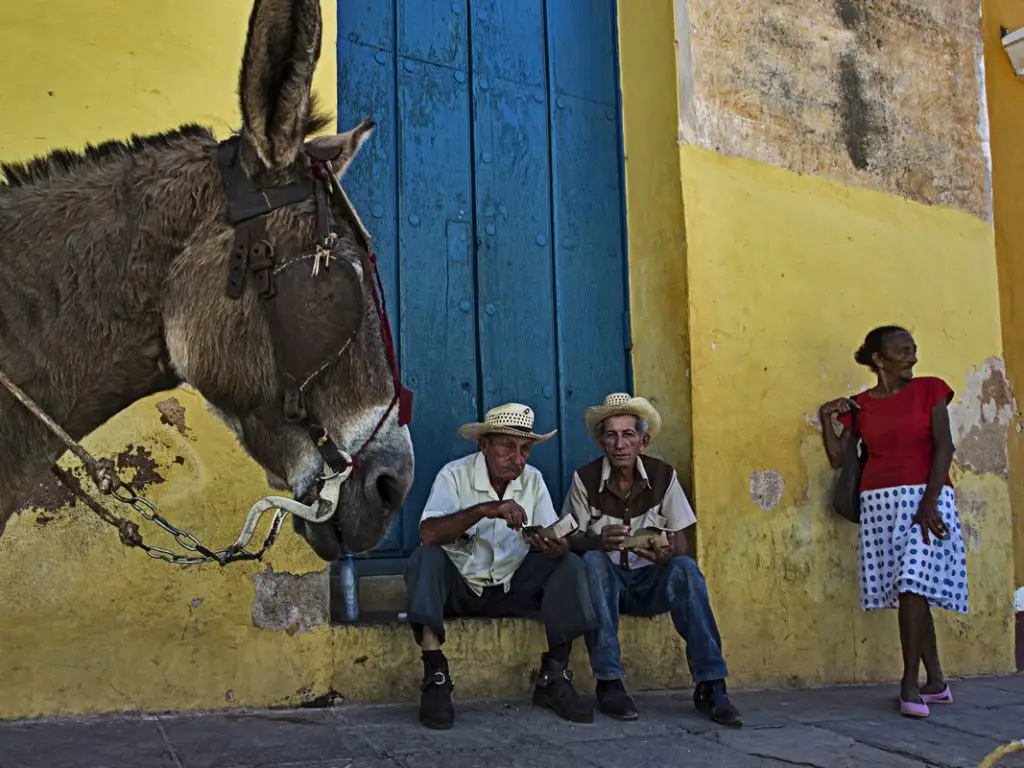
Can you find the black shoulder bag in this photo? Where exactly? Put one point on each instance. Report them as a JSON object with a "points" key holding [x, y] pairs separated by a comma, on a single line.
{"points": [[846, 496]]}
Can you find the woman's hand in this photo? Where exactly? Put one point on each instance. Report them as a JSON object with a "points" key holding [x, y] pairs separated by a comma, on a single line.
{"points": [[839, 405], [930, 520]]}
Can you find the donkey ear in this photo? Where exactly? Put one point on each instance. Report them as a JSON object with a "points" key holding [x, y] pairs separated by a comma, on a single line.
{"points": [[342, 149], [281, 52]]}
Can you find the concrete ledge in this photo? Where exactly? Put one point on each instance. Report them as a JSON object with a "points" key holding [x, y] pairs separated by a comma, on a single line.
{"points": [[494, 658]]}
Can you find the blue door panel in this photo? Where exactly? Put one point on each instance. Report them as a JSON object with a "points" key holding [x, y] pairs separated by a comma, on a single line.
{"points": [[582, 49], [509, 42], [368, 22], [433, 31], [436, 279], [492, 188], [587, 213], [588, 266]]}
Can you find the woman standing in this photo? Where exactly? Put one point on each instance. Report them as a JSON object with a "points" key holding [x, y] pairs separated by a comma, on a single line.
{"points": [[911, 549]]}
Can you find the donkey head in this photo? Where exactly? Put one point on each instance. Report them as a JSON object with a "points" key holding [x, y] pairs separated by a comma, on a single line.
{"points": [[292, 353]]}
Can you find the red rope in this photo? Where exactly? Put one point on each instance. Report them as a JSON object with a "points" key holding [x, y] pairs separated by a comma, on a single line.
{"points": [[403, 397]]}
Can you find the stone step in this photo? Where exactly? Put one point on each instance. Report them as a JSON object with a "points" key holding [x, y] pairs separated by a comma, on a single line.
{"points": [[377, 660]]}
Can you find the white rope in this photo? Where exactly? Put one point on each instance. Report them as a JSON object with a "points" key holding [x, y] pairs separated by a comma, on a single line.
{"points": [[321, 513]]}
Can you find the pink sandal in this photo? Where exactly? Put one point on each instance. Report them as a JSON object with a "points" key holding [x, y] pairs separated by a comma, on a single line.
{"points": [[946, 697], [913, 709]]}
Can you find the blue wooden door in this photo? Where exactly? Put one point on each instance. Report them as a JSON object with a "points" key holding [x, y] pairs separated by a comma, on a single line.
{"points": [[493, 189]]}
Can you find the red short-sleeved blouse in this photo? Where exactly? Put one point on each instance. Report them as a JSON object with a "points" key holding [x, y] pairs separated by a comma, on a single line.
{"points": [[897, 431]]}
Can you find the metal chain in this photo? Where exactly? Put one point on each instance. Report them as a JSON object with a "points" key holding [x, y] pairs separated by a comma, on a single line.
{"points": [[104, 476], [189, 541]]}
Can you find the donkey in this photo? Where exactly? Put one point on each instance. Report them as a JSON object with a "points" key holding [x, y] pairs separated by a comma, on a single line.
{"points": [[113, 266]]}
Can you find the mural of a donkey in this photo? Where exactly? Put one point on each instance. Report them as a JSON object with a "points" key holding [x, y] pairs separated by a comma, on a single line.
{"points": [[236, 267]]}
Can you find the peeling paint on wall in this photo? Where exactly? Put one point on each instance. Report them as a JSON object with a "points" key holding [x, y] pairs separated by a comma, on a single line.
{"points": [[287, 602], [766, 488], [139, 458], [980, 418], [841, 88], [172, 413]]}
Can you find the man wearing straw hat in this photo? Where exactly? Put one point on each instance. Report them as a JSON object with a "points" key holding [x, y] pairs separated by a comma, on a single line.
{"points": [[613, 498], [475, 560]]}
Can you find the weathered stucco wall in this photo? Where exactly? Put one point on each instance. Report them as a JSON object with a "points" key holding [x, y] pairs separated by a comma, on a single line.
{"points": [[1006, 122], [787, 273], [86, 625], [833, 178], [881, 95]]}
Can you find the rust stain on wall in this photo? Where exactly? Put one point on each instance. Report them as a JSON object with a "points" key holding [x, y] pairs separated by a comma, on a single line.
{"points": [[49, 496], [880, 94], [139, 458]]}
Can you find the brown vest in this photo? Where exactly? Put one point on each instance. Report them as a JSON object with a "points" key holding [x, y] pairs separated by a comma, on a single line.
{"points": [[642, 496]]}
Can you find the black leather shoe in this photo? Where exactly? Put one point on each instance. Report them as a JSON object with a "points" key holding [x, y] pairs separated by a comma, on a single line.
{"points": [[613, 700], [712, 699], [436, 709], [554, 691]]}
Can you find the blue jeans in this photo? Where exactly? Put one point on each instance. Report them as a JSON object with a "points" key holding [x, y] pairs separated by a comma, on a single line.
{"points": [[677, 589]]}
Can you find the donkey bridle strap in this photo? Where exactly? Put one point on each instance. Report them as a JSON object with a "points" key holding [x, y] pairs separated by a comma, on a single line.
{"points": [[252, 252]]}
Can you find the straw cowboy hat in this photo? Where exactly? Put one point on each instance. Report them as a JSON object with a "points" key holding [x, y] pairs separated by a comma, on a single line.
{"points": [[621, 404], [509, 419]]}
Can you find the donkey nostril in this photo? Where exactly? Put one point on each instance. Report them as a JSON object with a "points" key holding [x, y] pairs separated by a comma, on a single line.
{"points": [[389, 490]]}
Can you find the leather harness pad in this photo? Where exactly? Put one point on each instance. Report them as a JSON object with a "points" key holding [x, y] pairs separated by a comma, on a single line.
{"points": [[311, 319]]}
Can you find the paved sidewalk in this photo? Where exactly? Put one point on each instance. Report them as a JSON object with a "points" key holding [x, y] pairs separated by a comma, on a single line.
{"points": [[833, 728]]}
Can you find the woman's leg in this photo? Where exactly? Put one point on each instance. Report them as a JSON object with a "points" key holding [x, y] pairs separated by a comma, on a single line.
{"points": [[913, 619], [936, 682]]}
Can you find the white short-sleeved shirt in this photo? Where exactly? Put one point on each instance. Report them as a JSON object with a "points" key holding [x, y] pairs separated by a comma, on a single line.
{"points": [[656, 501], [489, 552]]}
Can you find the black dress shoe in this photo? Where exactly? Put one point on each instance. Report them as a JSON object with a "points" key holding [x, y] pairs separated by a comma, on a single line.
{"points": [[613, 700]]}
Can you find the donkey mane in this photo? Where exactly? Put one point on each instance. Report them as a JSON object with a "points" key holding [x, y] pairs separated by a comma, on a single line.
{"points": [[60, 161]]}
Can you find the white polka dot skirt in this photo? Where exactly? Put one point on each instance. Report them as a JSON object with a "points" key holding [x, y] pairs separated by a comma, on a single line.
{"points": [[894, 558]]}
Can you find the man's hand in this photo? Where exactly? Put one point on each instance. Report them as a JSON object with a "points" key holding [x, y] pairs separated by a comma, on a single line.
{"points": [[550, 547], [929, 519], [612, 537], [509, 511], [659, 555]]}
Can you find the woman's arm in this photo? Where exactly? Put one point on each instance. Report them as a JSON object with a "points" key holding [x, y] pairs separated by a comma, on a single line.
{"points": [[928, 515], [942, 452], [835, 443]]}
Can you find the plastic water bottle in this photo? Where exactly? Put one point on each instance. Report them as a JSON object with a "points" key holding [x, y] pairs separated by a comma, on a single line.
{"points": [[349, 582]]}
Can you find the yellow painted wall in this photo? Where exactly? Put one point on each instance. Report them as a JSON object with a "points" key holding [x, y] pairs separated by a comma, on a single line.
{"points": [[86, 625], [654, 218], [784, 274], [787, 273], [1006, 118]]}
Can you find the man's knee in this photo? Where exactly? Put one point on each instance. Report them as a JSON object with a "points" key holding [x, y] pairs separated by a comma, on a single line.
{"points": [[598, 565], [572, 566], [686, 568], [425, 561]]}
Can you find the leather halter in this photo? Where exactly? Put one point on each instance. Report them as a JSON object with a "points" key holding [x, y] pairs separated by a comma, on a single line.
{"points": [[253, 253]]}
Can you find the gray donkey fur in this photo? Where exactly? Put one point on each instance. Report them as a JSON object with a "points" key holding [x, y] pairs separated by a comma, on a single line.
{"points": [[112, 287]]}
